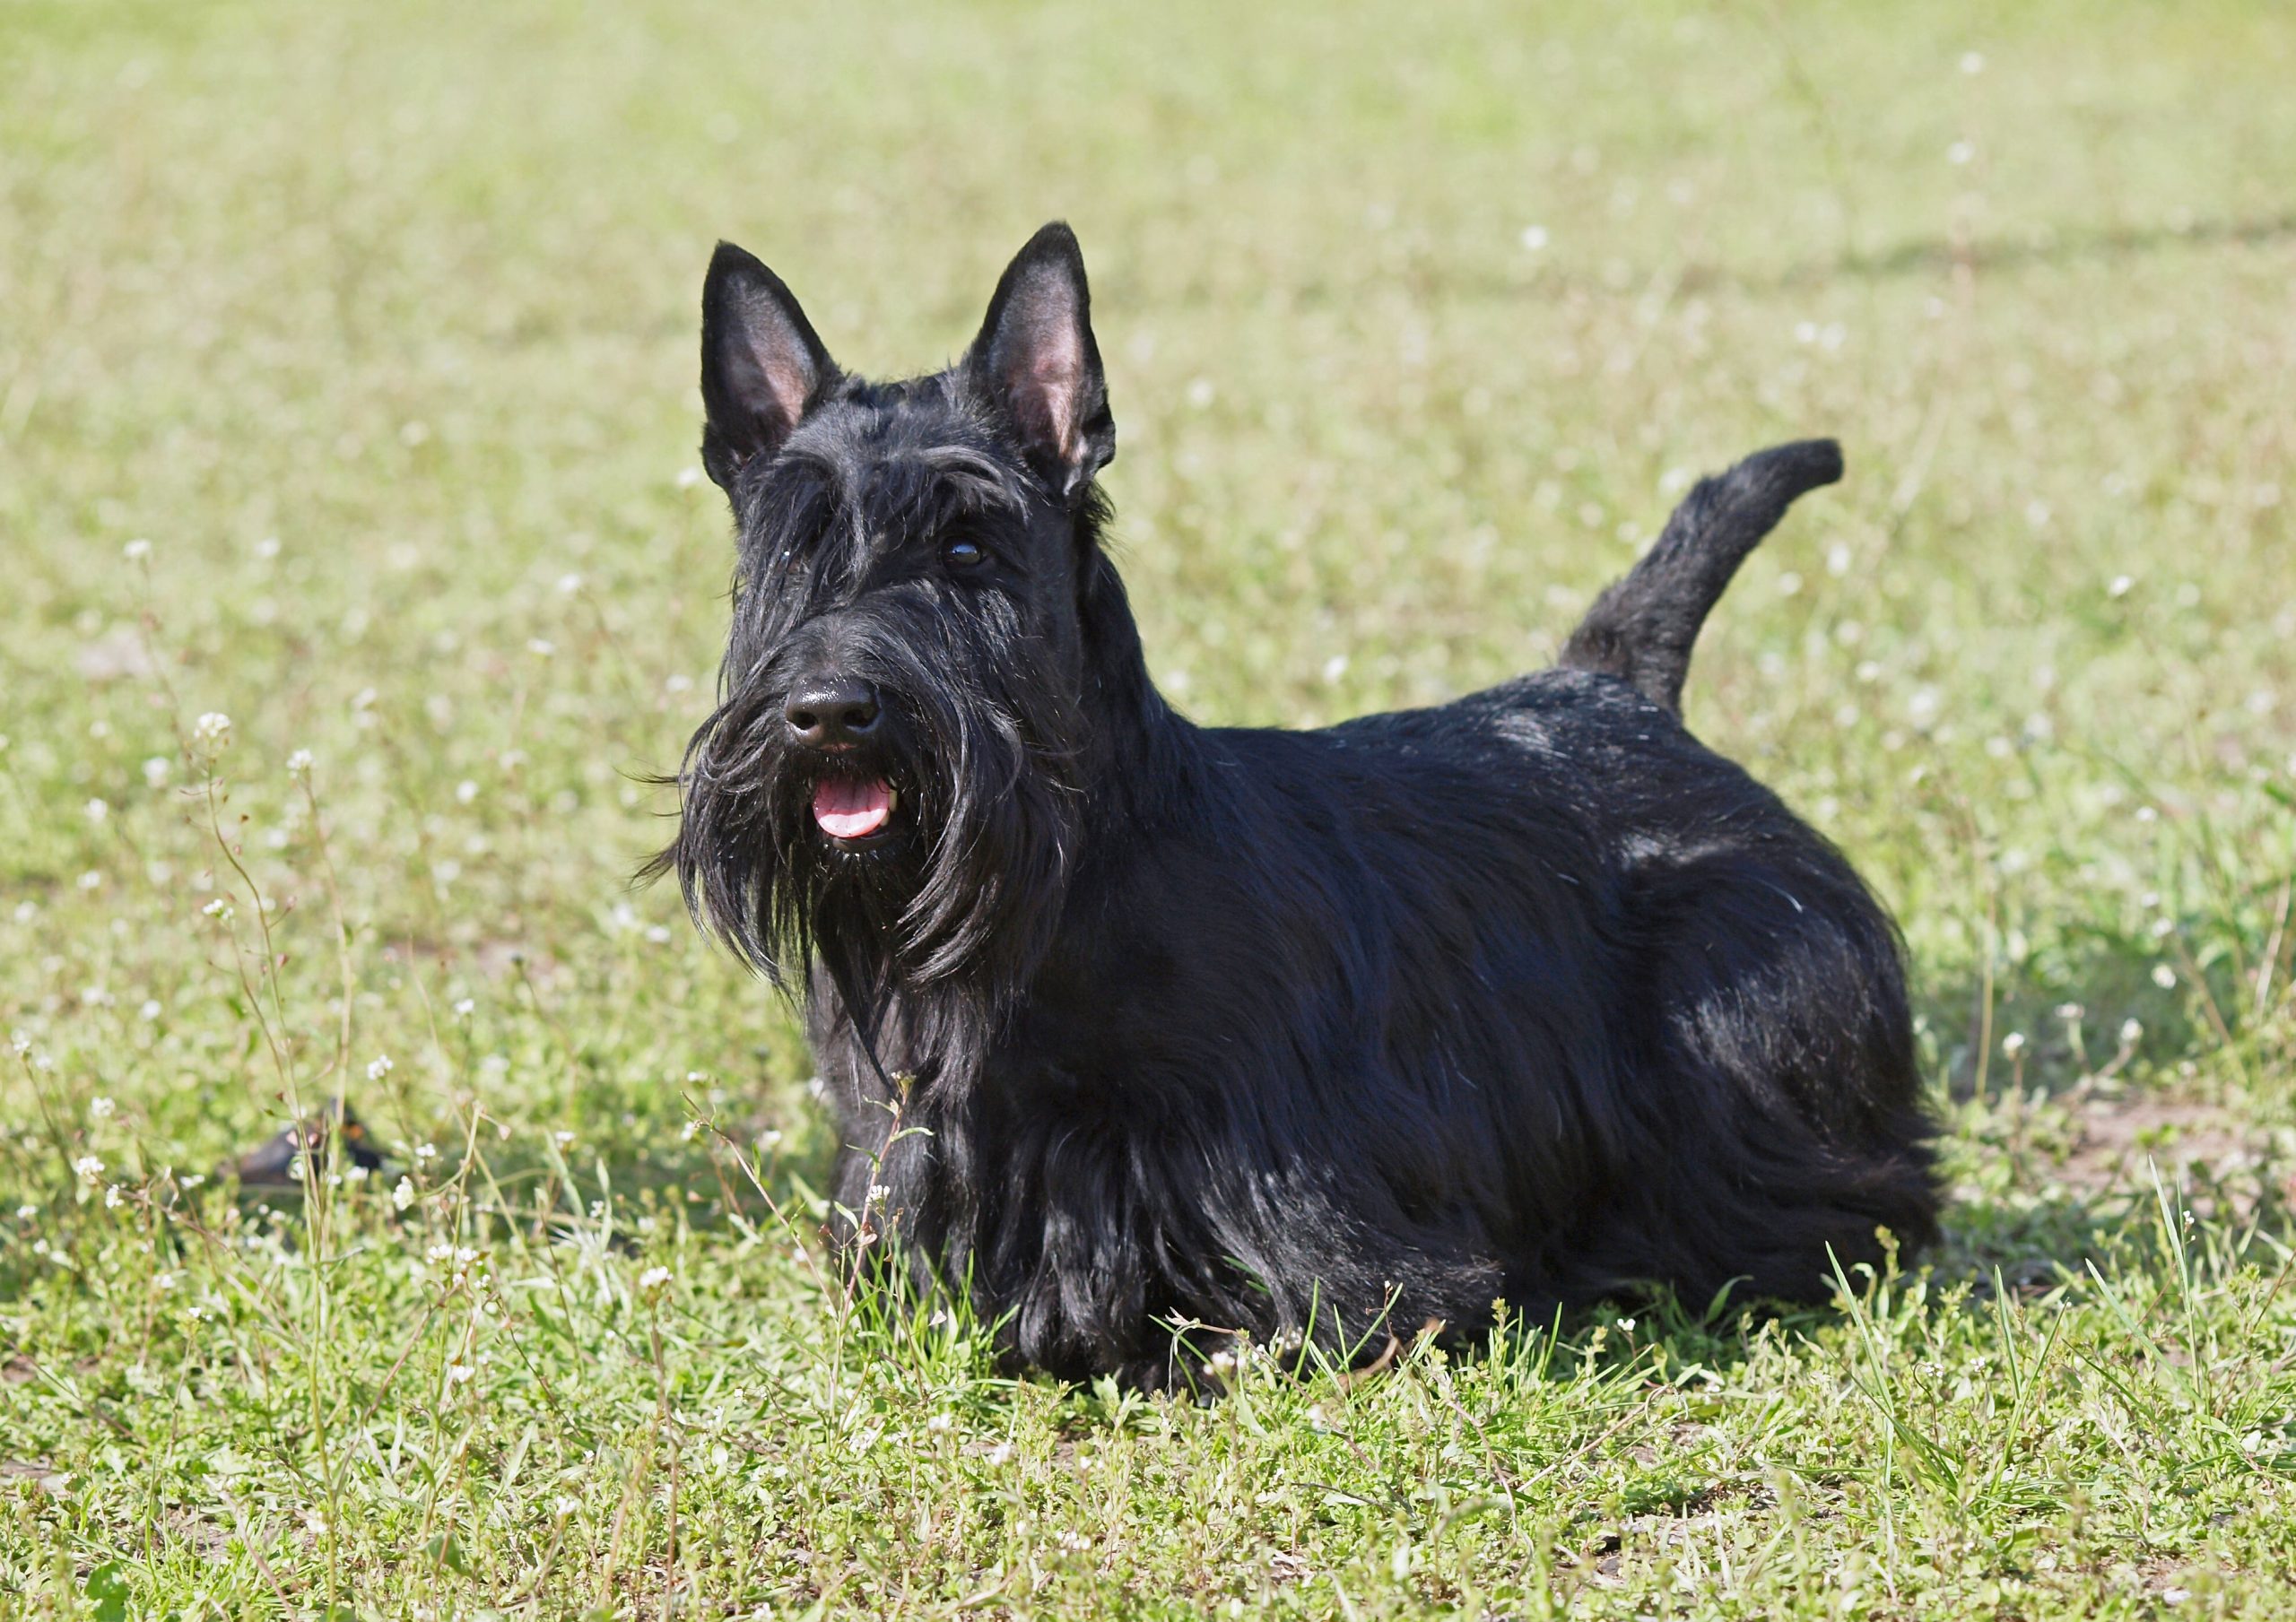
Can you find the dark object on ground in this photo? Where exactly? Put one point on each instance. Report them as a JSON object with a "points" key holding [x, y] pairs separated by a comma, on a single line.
{"points": [[272, 1164], [1145, 1034]]}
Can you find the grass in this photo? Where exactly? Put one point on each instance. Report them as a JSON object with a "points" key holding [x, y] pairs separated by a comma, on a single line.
{"points": [[346, 391]]}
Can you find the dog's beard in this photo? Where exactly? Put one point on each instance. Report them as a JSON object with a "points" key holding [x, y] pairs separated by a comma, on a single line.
{"points": [[958, 897]]}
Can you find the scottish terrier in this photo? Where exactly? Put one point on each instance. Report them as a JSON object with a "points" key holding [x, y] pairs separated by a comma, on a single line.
{"points": [[1143, 1037]]}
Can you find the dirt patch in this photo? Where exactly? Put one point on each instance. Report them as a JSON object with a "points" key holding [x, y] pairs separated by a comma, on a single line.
{"points": [[2117, 1139]]}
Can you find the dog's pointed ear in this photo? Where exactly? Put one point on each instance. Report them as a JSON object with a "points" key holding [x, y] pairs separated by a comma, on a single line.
{"points": [[761, 366], [1036, 360]]}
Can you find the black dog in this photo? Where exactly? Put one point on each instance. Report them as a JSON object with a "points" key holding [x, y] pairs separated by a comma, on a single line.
{"points": [[1142, 1034]]}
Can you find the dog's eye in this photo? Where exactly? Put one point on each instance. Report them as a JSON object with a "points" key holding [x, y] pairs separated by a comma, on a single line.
{"points": [[962, 554]]}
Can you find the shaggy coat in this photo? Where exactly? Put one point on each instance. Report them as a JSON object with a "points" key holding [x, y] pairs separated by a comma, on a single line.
{"points": [[1141, 1034]]}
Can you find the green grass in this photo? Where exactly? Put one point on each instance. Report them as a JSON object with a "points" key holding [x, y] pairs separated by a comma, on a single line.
{"points": [[347, 389]]}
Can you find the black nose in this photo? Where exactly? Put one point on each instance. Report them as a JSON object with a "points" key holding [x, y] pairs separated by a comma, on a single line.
{"points": [[831, 712]]}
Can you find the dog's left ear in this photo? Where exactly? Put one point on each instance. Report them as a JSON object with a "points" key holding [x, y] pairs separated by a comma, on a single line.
{"points": [[1036, 360]]}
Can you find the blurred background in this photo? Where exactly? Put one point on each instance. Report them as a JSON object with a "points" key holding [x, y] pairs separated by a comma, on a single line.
{"points": [[347, 390], [347, 400]]}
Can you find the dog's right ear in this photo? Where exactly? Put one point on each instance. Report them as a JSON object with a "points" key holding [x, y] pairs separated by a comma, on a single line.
{"points": [[761, 366]]}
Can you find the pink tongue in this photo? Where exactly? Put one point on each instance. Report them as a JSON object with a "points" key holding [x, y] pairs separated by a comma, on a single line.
{"points": [[852, 811]]}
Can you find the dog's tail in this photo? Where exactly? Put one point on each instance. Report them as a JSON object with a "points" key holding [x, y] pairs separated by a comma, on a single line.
{"points": [[1641, 628]]}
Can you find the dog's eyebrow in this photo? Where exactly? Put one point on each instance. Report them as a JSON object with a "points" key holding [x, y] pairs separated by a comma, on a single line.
{"points": [[971, 479]]}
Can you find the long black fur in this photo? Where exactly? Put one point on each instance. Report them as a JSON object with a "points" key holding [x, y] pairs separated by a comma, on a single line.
{"points": [[1134, 1026]]}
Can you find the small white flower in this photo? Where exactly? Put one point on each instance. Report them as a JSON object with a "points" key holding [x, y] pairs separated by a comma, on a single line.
{"points": [[2120, 585], [940, 1422], [156, 770], [213, 732], [19, 1043], [100, 1109], [465, 792], [653, 1278], [879, 1192], [463, 1008], [113, 1198], [562, 1138], [220, 908], [2132, 1032], [380, 1067], [456, 1373], [136, 551], [426, 1151], [97, 811], [163, 1280], [2164, 976], [1626, 1326], [88, 1168], [92, 880], [570, 584], [689, 1131], [2013, 1044], [769, 1140], [402, 1195], [298, 764], [540, 647]]}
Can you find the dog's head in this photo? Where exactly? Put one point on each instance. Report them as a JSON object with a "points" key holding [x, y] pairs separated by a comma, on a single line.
{"points": [[892, 773]]}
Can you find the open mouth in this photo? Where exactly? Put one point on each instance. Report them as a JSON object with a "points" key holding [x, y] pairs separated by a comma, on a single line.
{"points": [[852, 811]]}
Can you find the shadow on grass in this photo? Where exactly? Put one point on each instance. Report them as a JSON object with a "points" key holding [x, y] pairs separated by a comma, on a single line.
{"points": [[1927, 255]]}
